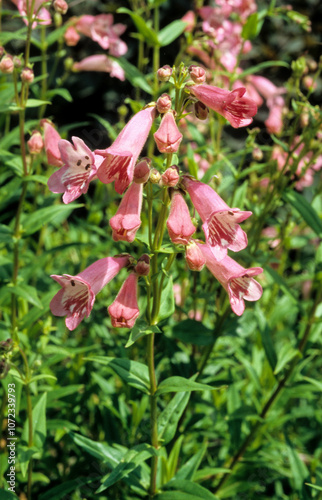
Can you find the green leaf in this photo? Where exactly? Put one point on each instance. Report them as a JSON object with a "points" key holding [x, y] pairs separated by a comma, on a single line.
{"points": [[266, 338], [31, 103], [7, 36], [281, 282], [169, 418], [24, 455], [259, 67], [55, 35], [64, 93], [240, 195], [131, 372], [169, 33], [35, 221], [148, 33], [38, 430], [299, 470], [167, 306], [250, 28], [181, 384], [303, 207], [60, 491], [141, 329], [27, 292], [188, 470], [190, 488], [194, 332], [285, 354], [108, 127], [134, 75], [314, 486], [131, 460]]}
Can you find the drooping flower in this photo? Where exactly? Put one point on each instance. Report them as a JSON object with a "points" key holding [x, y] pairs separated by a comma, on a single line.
{"points": [[120, 158], [80, 167], [124, 310], [179, 224], [220, 222], [101, 63], [238, 110], [127, 220], [237, 281], [76, 298], [168, 136], [40, 14], [51, 140], [102, 30]]}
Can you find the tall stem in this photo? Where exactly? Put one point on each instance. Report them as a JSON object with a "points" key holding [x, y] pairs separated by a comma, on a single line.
{"points": [[153, 408]]}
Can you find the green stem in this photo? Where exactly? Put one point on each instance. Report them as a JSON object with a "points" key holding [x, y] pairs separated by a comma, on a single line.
{"points": [[153, 407], [43, 69], [156, 55], [271, 400]]}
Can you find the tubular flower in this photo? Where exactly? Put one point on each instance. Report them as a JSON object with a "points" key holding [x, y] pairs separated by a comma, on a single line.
{"points": [[180, 227], [220, 222], [124, 310], [51, 140], [40, 14], [79, 169], [101, 29], [120, 158], [238, 110], [101, 63], [236, 280], [76, 298], [127, 220], [168, 137]]}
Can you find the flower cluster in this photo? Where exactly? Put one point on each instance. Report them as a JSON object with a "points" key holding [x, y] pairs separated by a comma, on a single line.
{"points": [[120, 163]]}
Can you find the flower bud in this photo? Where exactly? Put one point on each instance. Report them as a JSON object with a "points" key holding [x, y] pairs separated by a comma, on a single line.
{"points": [[60, 6], [164, 73], [17, 62], [257, 154], [35, 143], [155, 176], [4, 368], [142, 268], [194, 257], [71, 37], [6, 346], [299, 66], [164, 103], [27, 75], [201, 111], [309, 83], [142, 171], [170, 177], [197, 74], [6, 64]]}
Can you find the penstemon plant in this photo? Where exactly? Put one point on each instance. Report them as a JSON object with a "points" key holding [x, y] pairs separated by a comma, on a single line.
{"points": [[206, 196]]}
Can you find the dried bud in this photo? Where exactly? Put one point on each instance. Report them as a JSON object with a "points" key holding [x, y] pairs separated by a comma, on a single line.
{"points": [[194, 257], [170, 177], [35, 143], [142, 268], [155, 176], [164, 73], [4, 368], [257, 154], [201, 111], [27, 75], [6, 64], [164, 103], [60, 6], [6, 346], [142, 171], [197, 74]]}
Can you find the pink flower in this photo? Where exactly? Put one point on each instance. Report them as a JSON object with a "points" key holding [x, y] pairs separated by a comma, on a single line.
{"points": [[220, 222], [238, 110], [120, 158], [124, 309], [35, 143], [71, 36], [274, 122], [168, 137], [51, 140], [194, 256], [101, 29], [40, 14], [170, 177], [127, 220], [179, 223], [236, 280], [79, 169], [76, 298], [102, 63]]}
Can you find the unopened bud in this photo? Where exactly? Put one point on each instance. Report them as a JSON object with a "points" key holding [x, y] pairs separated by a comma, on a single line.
{"points": [[17, 62], [142, 267], [201, 111], [309, 83], [35, 143], [71, 37], [6, 64], [155, 176], [257, 154], [197, 74], [60, 6], [164, 73], [27, 75], [299, 66], [6, 346], [142, 171], [164, 103], [304, 119], [170, 177], [194, 257], [68, 63]]}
